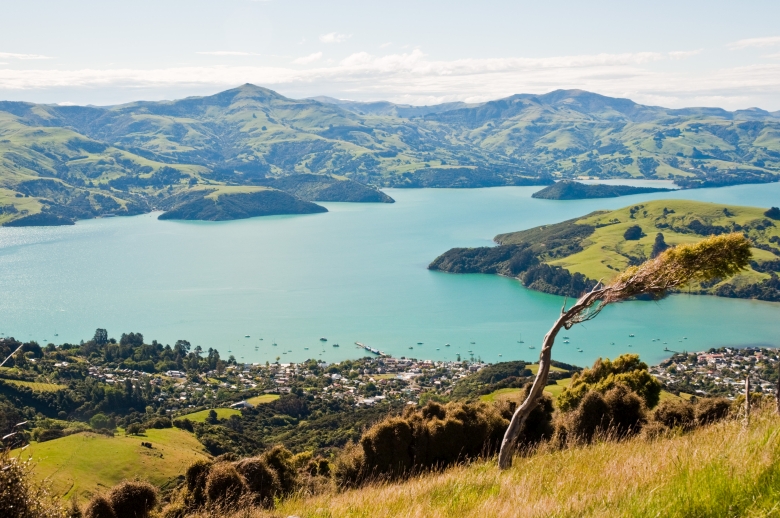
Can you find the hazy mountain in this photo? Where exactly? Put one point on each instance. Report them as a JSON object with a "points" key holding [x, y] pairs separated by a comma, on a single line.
{"points": [[75, 161]]}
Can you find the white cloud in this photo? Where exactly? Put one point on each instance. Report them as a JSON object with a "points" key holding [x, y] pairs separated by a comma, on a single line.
{"points": [[227, 53], [11, 55], [334, 37], [305, 60], [755, 42], [683, 54], [385, 45], [414, 78]]}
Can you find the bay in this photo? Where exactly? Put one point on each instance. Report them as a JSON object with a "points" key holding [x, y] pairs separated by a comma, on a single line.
{"points": [[356, 273]]}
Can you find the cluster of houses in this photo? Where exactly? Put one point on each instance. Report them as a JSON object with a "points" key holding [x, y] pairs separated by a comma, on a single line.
{"points": [[722, 372]]}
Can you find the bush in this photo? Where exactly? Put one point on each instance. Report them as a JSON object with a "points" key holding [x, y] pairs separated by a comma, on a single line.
{"points": [[261, 479], [224, 485], [101, 422], [195, 479], [626, 411], [133, 499], [99, 507], [589, 418], [605, 374], [20, 497], [159, 423], [184, 424], [711, 410], [349, 466], [773, 213], [279, 459], [674, 413], [633, 233], [434, 436], [654, 430], [134, 429]]}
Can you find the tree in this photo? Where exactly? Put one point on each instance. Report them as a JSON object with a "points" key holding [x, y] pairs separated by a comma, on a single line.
{"points": [[101, 337], [773, 213], [715, 257], [633, 233], [659, 245]]}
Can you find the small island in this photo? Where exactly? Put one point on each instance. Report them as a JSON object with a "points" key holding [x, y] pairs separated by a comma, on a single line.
{"points": [[571, 190], [227, 203]]}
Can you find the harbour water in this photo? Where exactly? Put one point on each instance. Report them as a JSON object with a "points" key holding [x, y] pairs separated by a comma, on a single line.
{"points": [[355, 274]]}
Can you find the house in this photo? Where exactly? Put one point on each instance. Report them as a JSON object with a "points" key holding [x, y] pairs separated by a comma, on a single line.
{"points": [[242, 404]]}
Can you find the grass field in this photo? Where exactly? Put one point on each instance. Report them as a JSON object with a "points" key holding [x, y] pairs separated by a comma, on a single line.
{"points": [[265, 398], [721, 470], [84, 463], [222, 413], [514, 393], [35, 386], [606, 251]]}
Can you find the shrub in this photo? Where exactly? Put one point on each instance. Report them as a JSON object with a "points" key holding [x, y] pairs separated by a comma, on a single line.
{"points": [[134, 429], [626, 410], [184, 424], [433, 436], [99, 507], [279, 459], [261, 479], [711, 410], [633, 233], [20, 497], [224, 485], [605, 374], [195, 479], [159, 423], [349, 467], [101, 422], [773, 213], [174, 510], [133, 499], [589, 418], [675, 413]]}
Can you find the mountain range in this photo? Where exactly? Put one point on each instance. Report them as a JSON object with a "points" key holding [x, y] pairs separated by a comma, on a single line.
{"points": [[61, 163]]}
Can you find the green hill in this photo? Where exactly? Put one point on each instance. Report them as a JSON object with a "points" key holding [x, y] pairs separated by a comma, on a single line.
{"points": [[63, 163], [85, 463], [567, 258], [718, 470], [571, 190]]}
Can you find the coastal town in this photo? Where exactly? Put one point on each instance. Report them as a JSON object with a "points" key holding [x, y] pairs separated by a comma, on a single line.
{"points": [[375, 379]]}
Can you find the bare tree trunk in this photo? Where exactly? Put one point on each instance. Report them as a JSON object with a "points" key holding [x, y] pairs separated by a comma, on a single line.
{"points": [[747, 400], [566, 320]]}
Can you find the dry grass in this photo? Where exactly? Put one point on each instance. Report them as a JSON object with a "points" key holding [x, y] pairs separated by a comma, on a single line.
{"points": [[721, 470]]}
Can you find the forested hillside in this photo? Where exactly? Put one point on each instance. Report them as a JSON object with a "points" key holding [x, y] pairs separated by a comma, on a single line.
{"points": [[61, 163]]}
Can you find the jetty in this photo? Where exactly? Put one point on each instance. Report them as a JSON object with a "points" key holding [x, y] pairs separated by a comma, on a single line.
{"points": [[370, 349]]}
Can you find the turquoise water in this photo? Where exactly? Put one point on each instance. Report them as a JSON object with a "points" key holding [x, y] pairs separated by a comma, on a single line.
{"points": [[357, 273]]}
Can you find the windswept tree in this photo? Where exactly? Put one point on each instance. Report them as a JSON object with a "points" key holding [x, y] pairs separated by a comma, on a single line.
{"points": [[717, 257]]}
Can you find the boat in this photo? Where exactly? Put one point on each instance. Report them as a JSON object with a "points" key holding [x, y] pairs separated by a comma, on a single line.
{"points": [[323, 339], [274, 344], [565, 337], [55, 334], [246, 336], [437, 348], [631, 335], [305, 348], [472, 343], [410, 347], [566, 341], [501, 355], [446, 345], [630, 345], [261, 339], [611, 343], [335, 345], [666, 349], [521, 340], [419, 343], [531, 347]]}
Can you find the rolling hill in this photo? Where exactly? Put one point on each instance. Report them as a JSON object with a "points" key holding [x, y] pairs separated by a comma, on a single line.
{"points": [[568, 257], [62, 163]]}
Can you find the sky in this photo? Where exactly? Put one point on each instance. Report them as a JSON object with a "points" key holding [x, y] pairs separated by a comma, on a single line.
{"points": [[668, 53]]}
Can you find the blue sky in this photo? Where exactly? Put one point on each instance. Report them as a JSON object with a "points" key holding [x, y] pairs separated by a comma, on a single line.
{"points": [[682, 53]]}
